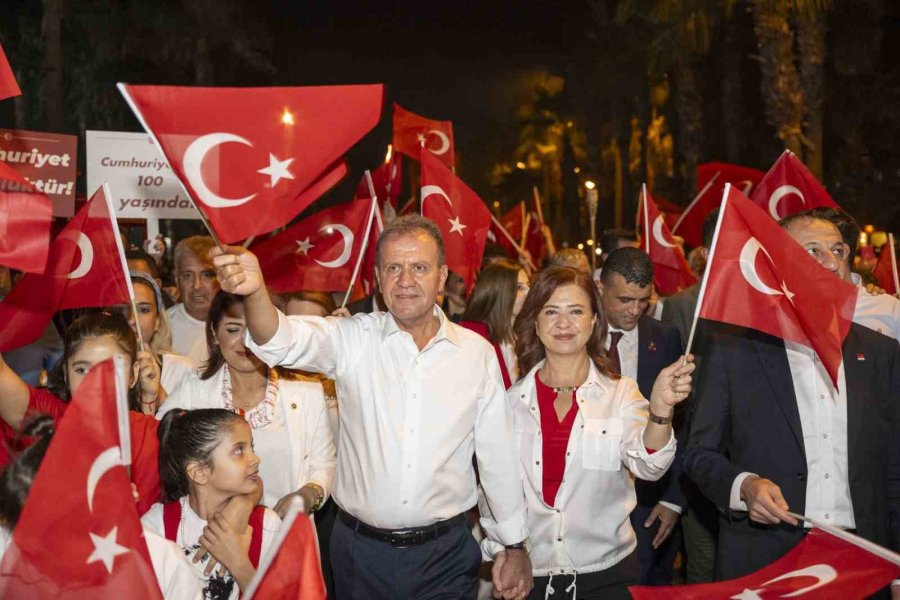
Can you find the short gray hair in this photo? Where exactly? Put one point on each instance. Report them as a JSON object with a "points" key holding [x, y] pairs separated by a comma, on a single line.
{"points": [[198, 245], [410, 225]]}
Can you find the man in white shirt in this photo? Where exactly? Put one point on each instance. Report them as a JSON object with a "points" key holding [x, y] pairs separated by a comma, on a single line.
{"points": [[770, 433], [419, 395], [640, 347], [196, 280]]}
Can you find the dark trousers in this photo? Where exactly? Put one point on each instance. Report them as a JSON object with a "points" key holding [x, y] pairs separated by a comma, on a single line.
{"points": [[609, 584], [325, 518], [655, 563], [443, 568]]}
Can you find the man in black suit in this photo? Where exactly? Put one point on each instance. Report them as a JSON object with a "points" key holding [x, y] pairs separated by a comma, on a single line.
{"points": [[640, 347], [770, 433]]}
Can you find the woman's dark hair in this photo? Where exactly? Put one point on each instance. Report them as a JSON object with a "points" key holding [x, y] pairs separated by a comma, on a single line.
{"points": [[493, 299], [90, 325], [529, 348], [18, 477], [187, 436], [221, 307]]}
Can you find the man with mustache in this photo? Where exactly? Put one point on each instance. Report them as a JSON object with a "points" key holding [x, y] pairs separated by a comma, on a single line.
{"points": [[196, 280]]}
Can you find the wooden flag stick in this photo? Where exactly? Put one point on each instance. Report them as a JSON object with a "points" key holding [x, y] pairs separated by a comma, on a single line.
{"points": [[362, 251], [695, 200], [894, 264], [512, 241], [537, 205], [865, 544], [709, 263], [140, 117], [646, 233], [124, 262]]}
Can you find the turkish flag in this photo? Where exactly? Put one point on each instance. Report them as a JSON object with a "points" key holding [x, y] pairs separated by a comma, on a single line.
{"points": [[671, 273], [25, 217], [387, 179], [885, 270], [509, 225], [711, 180], [318, 253], [535, 242], [413, 132], [79, 536], [366, 285], [790, 187], [247, 156], [759, 277], [294, 572], [8, 85], [460, 214], [820, 566], [84, 268]]}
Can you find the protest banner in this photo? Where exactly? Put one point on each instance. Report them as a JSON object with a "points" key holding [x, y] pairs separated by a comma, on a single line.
{"points": [[47, 161]]}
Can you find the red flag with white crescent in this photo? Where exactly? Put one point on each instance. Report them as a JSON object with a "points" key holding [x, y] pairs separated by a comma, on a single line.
{"points": [[81, 500], [885, 271], [820, 566], [247, 156], [387, 179], [790, 187], [413, 132], [460, 214], [83, 269], [317, 253], [757, 276], [671, 272], [25, 217]]}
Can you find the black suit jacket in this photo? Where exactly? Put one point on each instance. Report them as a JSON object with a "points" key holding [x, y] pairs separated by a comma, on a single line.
{"points": [[746, 420], [659, 345]]}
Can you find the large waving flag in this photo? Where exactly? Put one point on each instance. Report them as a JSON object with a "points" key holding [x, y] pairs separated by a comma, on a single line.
{"points": [[790, 187], [248, 156], [460, 214], [84, 268], [413, 132], [9, 87], [80, 535], [671, 272], [25, 217], [757, 276]]}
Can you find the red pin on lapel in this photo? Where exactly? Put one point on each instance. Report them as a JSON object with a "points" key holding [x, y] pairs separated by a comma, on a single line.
{"points": [[651, 346], [860, 356]]}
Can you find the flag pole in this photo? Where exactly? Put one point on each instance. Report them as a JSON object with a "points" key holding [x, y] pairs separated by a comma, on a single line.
{"points": [[124, 262], [863, 543], [709, 262], [121, 379], [894, 264], [362, 251], [511, 241], [295, 511], [140, 117], [695, 200], [646, 232], [537, 205]]}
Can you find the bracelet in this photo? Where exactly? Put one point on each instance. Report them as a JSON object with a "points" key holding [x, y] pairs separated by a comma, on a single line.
{"points": [[516, 546], [660, 420]]}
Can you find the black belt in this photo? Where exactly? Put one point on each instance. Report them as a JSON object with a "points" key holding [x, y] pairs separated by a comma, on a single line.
{"points": [[401, 538]]}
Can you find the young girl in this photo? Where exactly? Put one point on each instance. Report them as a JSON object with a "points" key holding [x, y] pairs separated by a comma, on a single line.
{"points": [[206, 460]]}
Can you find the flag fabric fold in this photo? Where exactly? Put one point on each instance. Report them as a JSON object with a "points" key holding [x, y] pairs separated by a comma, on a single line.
{"points": [[9, 87], [790, 187], [885, 271], [413, 132], [25, 218], [671, 272]]}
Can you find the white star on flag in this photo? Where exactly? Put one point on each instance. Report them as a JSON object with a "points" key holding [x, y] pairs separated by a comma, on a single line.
{"points": [[456, 226], [106, 549], [277, 169], [304, 246], [787, 293], [421, 138]]}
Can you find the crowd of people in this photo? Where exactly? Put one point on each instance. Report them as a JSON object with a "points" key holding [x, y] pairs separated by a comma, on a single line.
{"points": [[544, 436]]}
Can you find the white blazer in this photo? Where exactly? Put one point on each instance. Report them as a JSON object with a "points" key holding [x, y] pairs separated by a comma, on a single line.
{"points": [[588, 529], [306, 417]]}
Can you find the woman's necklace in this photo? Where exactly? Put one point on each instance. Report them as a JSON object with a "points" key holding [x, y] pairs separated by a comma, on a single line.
{"points": [[565, 389], [184, 507]]}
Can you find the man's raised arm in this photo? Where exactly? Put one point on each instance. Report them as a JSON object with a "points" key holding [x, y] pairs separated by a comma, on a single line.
{"points": [[238, 272]]}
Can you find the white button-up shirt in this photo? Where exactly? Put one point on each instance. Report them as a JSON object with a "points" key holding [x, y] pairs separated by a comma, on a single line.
{"points": [[880, 313], [588, 528], [410, 420], [823, 421]]}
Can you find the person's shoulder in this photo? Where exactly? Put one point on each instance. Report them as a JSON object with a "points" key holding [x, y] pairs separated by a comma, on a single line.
{"points": [[878, 343], [656, 328], [686, 297], [175, 311], [153, 519], [177, 361], [469, 337], [300, 385]]}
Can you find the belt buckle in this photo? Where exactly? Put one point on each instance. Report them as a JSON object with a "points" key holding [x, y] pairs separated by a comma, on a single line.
{"points": [[404, 539]]}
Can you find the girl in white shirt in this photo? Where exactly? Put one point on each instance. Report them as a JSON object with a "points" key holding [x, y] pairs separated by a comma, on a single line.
{"points": [[206, 459]]}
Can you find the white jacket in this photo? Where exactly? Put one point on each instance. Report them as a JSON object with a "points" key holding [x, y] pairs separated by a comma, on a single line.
{"points": [[306, 417], [588, 529]]}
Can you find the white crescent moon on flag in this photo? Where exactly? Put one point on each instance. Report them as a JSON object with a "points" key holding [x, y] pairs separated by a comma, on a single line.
{"points": [[824, 574], [109, 458], [445, 142], [87, 257], [748, 267], [341, 260], [779, 193], [193, 163], [746, 186], [658, 234], [428, 190]]}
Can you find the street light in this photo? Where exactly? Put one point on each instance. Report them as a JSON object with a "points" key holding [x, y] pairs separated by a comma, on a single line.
{"points": [[592, 197]]}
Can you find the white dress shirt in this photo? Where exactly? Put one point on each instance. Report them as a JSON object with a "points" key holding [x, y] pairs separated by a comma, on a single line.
{"points": [[588, 528], [188, 335], [628, 350], [880, 313], [823, 421], [410, 420]]}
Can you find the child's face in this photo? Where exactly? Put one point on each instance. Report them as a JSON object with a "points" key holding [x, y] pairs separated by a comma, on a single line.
{"points": [[90, 352], [235, 466]]}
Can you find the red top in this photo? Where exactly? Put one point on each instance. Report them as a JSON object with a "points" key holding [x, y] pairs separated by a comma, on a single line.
{"points": [[482, 329], [144, 445], [555, 438]]}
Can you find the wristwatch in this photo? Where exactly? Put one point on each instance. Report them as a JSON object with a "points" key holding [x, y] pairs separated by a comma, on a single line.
{"points": [[516, 546], [660, 420]]}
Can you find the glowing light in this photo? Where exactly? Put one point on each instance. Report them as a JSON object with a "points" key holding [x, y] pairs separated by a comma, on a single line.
{"points": [[520, 165], [570, 123], [598, 251], [590, 185], [590, 242], [577, 170], [496, 204], [869, 228], [581, 246], [287, 118], [390, 152]]}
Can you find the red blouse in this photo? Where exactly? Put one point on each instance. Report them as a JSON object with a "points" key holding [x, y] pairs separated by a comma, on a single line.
{"points": [[144, 445], [555, 439]]}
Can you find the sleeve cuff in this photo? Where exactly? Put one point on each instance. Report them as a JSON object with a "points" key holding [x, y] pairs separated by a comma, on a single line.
{"points": [[661, 459], [734, 501], [671, 506], [511, 531], [490, 548], [272, 351]]}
